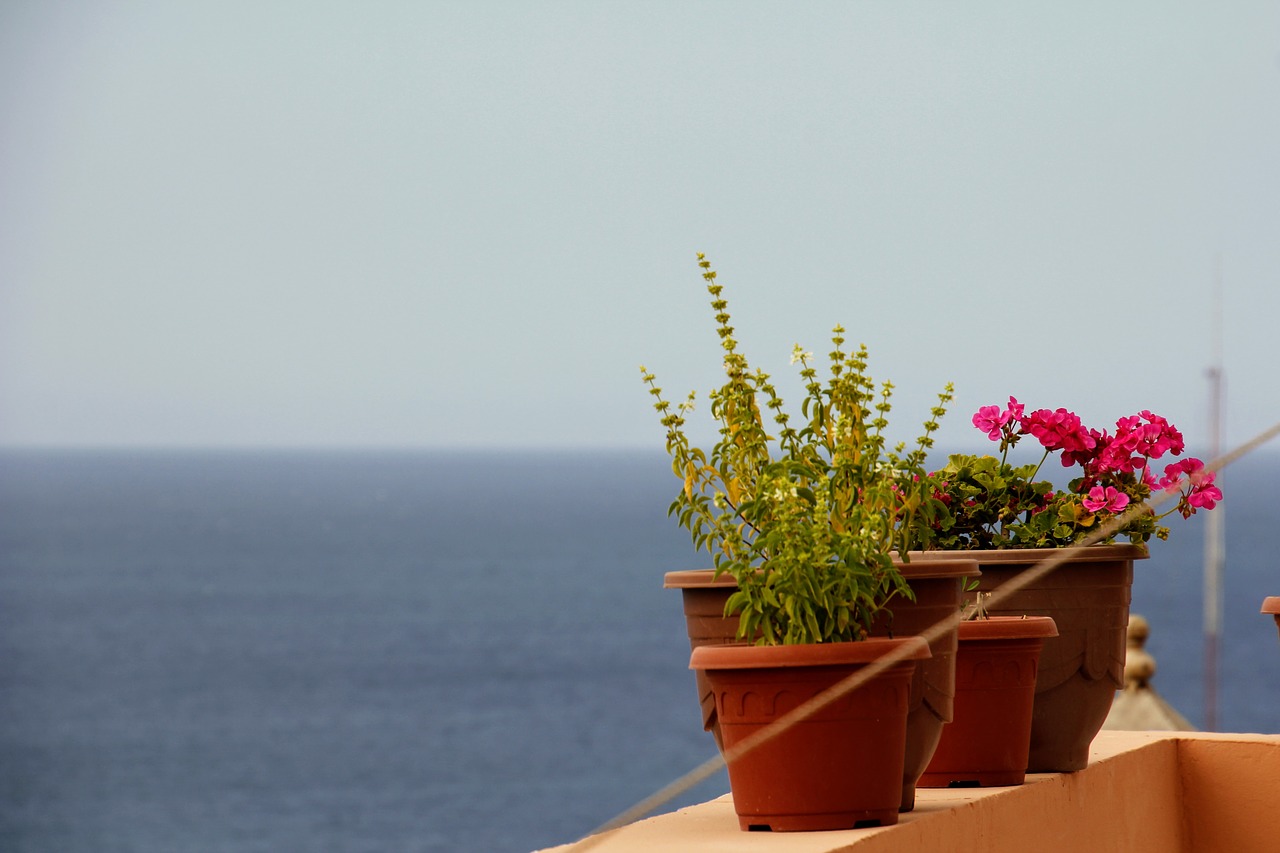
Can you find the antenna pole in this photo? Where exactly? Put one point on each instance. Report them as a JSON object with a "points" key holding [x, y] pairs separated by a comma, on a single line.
{"points": [[1214, 545]]}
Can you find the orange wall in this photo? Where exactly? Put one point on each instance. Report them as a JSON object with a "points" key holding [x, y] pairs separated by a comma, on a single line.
{"points": [[1163, 792]]}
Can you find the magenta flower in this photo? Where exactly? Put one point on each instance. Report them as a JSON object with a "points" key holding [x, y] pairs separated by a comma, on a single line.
{"points": [[1014, 412], [1060, 430], [1119, 453], [1107, 498], [1149, 440], [1118, 473], [1205, 495], [1175, 471], [1150, 480], [1160, 437], [991, 420], [1087, 450], [999, 424]]}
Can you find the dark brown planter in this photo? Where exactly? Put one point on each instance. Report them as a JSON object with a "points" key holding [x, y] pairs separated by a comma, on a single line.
{"points": [[840, 767], [938, 589], [1271, 604], [1082, 668], [988, 741]]}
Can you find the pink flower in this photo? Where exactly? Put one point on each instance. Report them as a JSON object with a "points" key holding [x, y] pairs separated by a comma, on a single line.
{"points": [[1205, 495], [997, 424], [1159, 437], [1060, 430], [1150, 480], [1014, 412], [1087, 451], [1118, 453], [1151, 439], [1108, 498], [1175, 471], [990, 420]]}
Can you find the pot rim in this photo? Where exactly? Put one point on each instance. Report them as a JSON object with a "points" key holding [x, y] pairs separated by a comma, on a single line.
{"points": [[746, 656], [961, 565], [1008, 628], [1085, 554]]}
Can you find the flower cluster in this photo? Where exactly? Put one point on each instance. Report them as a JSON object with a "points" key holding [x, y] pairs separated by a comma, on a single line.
{"points": [[993, 504]]}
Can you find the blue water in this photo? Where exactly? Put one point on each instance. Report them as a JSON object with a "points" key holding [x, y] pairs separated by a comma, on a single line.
{"points": [[405, 652]]}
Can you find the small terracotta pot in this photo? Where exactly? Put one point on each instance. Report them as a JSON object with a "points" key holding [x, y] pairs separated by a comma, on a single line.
{"points": [[1271, 604], [1082, 668], [838, 768], [937, 586], [987, 742]]}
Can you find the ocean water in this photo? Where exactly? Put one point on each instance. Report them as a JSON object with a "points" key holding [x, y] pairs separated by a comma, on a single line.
{"points": [[408, 651]]}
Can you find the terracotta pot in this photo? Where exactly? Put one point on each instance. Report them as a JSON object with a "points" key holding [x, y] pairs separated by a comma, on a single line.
{"points": [[1082, 668], [1271, 604], [840, 767], [988, 741], [938, 589]]}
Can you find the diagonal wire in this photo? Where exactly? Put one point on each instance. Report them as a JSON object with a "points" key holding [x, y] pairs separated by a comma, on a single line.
{"points": [[867, 673]]}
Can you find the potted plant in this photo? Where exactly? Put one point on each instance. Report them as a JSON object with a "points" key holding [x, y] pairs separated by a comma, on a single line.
{"points": [[937, 587], [1271, 604], [988, 741], [805, 522], [1010, 520]]}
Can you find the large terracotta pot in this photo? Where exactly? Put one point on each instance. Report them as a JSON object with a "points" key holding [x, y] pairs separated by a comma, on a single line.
{"points": [[988, 741], [938, 590], [1271, 604], [1082, 668], [838, 768]]}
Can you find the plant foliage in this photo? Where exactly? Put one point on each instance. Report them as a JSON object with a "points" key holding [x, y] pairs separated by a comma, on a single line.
{"points": [[805, 520]]}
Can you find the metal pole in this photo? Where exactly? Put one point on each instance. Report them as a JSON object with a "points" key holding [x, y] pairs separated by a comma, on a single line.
{"points": [[1214, 547]]}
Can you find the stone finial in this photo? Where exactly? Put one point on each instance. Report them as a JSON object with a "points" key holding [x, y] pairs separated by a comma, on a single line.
{"points": [[1138, 707], [1139, 666]]}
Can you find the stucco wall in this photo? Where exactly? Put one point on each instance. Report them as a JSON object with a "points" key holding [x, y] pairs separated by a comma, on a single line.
{"points": [[1142, 791]]}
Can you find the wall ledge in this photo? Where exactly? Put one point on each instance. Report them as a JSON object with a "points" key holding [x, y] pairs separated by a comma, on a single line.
{"points": [[1142, 791]]}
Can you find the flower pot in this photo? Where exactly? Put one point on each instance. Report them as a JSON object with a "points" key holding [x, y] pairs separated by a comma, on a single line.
{"points": [[1271, 604], [838, 768], [1082, 668], [987, 742], [937, 587]]}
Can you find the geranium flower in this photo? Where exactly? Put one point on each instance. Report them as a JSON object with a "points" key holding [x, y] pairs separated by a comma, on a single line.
{"points": [[1206, 495], [994, 502], [1119, 453], [1175, 471], [1107, 498], [991, 420], [1059, 430], [1160, 436]]}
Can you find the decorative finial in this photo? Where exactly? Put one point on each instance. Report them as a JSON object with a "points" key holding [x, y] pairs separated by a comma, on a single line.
{"points": [[1139, 666]]}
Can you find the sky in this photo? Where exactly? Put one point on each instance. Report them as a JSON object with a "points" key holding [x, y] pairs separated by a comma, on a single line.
{"points": [[466, 225]]}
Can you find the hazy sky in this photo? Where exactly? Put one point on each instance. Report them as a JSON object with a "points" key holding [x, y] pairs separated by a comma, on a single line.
{"points": [[466, 224]]}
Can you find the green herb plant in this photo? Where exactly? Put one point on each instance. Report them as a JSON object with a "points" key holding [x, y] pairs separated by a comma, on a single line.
{"points": [[807, 520]]}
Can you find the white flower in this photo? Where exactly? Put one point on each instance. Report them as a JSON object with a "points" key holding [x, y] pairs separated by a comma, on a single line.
{"points": [[799, 355]]}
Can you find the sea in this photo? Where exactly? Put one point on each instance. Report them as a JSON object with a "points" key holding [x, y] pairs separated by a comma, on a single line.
{"points": [[236, 651]]}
